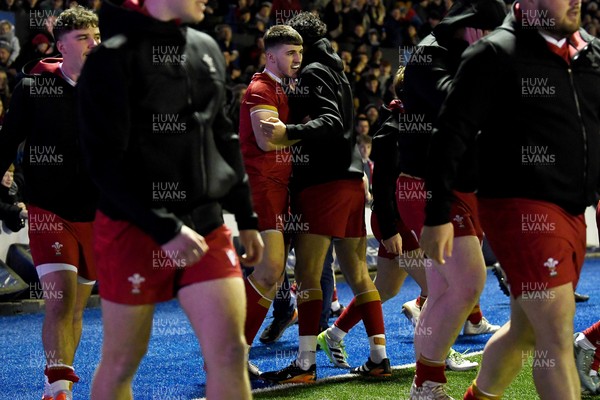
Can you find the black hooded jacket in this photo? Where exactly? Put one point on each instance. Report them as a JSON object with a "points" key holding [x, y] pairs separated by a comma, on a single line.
{"points": [[327, 140], [43, 112], [157, 141], [537, 119]]}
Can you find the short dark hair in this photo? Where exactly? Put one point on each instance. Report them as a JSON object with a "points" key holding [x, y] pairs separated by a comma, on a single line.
{"points": [[364, 139], [309, 26], [73, 19], [281, 34]]}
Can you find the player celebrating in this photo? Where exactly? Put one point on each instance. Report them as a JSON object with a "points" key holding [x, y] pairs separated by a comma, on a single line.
{"points": [[268, 167]]}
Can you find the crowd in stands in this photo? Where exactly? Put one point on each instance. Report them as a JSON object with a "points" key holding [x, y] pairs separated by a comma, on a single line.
{"points": [[367, 34]]}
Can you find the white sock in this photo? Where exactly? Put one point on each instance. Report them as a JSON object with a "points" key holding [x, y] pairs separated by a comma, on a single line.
{"points": [[307, 352], [62, 385], [377, 347], [584, 343], [336, 333], [335, 305]]}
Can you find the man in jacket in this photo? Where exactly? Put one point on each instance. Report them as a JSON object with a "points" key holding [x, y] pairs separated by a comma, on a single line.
{"points": [[328, 197], [61, 196], [166, 160], [530, 89]]}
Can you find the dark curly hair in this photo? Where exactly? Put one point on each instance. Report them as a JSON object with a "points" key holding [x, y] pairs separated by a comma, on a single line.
{"points": [[73, 19], [309, 26]]}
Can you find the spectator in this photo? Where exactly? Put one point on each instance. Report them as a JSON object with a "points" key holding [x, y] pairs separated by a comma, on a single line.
{"points": [[362, 125], [7, 33], [13, 212]]}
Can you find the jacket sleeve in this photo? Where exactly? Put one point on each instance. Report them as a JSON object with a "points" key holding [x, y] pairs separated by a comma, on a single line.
{"points": [[17, 123], [385, 172], [320, 105], [238, 201], [105, 124], [462, 116], [432, 80]]}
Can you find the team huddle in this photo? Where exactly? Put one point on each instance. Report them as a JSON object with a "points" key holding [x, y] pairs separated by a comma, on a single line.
{"points": [[132, 194]]}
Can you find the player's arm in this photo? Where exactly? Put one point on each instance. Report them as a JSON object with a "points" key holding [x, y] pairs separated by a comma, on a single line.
{"points": [[259, 114], [321, 106]]}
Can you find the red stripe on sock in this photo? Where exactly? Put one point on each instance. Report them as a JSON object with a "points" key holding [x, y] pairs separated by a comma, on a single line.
{"points": [[430, 373], [60, 373]]}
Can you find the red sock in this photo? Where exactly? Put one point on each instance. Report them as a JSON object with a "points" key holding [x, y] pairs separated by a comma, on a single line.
{"points": [[334, 295], [593, 334], [474, 393], [62, 372], [257, 306], [349, 317], [476, 315], [469, 395], [428, 370], [369, 305], [420, 301], [310, 303]]}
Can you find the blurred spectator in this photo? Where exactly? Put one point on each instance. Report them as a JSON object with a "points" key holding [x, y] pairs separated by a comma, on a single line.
{"points": [[41, 46], [364, 144], [229, 49], [264, 14], [282, 10], [56, 6], [362, 126], [369, 93], [12, 210], [333, 18], [372, 112], [4, 94], [376, 14], [7, 33], [356, 38]]}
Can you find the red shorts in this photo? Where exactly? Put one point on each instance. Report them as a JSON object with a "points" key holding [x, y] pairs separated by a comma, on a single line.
{"points": [[538, 244], [411, 198], [270, 200], [60, 245], [133, 269], [334, 209], [409, 239]]}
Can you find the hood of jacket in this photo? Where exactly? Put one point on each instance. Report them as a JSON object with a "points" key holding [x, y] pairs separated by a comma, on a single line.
{"points": [[479, 14], [321, 51]]}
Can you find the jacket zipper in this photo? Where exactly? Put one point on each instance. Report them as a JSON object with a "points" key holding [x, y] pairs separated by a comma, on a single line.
{"points": [[583, 131]]}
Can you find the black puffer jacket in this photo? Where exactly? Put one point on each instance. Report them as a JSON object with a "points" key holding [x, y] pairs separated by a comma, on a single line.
{"points": [[157, 141], [538, 117]]}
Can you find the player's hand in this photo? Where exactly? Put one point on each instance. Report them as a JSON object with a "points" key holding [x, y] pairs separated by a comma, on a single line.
{"points": [[393, 245], [188, 246], [24, 214], [254, 246], [273, 129], [436, 241]]}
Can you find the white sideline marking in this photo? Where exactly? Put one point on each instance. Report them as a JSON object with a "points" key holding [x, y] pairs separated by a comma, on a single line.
{"points": [[336, 378]]}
